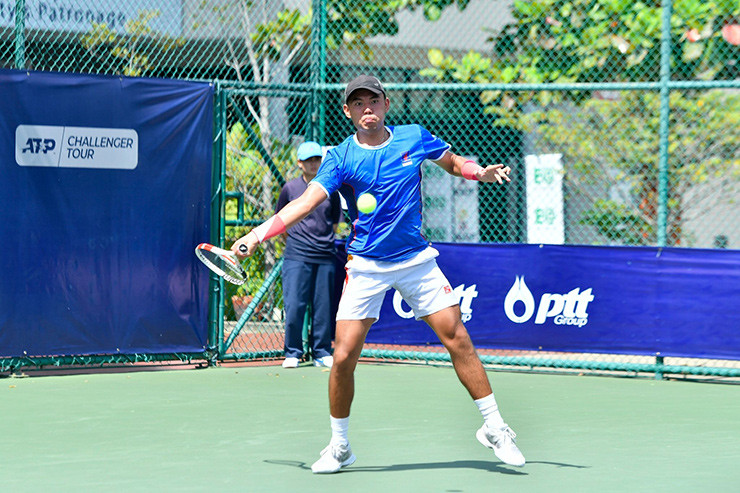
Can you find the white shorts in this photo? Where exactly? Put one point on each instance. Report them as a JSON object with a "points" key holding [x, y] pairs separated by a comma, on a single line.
{"points": [[423, 286]]}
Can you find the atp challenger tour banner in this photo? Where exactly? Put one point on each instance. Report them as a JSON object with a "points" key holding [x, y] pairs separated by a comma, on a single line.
{"points": [[104, 191], [625, 300]]}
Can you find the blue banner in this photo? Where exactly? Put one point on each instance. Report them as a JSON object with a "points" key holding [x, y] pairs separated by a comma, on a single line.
{"points": [[104, 193], [624, 300]]}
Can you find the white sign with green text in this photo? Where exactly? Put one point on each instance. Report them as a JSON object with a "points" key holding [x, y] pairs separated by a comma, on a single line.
{"points": [[545, 222]]}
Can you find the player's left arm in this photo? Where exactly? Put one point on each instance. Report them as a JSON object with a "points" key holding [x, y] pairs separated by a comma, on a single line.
{"points": [[460, 166]]}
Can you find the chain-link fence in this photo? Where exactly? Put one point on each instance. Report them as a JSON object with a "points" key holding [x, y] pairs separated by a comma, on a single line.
{"points": [[618, 118], [637, 116]]}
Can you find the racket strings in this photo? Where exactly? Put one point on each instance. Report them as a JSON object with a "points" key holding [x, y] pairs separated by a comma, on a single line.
{"points": [[225, 266]]}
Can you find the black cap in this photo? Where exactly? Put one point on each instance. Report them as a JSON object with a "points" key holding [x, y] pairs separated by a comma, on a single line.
{"points": [[368, 82]]}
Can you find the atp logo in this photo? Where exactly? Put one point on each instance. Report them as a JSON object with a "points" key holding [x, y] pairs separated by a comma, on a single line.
{"points": [[465, 295], [564, 309], [37, 145], [406, 160]]}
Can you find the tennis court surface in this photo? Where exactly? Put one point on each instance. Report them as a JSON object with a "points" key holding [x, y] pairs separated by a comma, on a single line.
{"points": [[258, 429]]}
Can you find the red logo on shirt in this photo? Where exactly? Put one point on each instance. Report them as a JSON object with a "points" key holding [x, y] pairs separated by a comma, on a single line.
{"points": [[406, 160], [447, 289]]}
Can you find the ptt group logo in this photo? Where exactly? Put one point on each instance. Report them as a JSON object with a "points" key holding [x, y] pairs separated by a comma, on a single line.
{"points": [[564, 309], [465, 295], [76, 147]]}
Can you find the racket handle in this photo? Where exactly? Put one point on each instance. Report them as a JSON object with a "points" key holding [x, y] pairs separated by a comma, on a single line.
{"points": [[243, 249]]}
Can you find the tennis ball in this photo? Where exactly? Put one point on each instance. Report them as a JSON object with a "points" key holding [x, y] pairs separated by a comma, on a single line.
{"points": [[366, 203]]}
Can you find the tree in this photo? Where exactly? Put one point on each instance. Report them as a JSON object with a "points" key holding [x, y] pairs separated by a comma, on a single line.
{"points": [[351, 22], [613, 144], [128, 54], [604, 40], [610, 149], [268, 42], [568, 41]]}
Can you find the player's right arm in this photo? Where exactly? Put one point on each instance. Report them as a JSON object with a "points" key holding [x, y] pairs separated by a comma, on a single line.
{"points": [[283, 220], [460, 166]]}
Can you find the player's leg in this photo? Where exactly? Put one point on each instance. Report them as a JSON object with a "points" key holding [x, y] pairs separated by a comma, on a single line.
{"points": [[297, 282], [358, 308], [322, 323], [448, 326], [495, 433], [428, 292], [348, 344]]}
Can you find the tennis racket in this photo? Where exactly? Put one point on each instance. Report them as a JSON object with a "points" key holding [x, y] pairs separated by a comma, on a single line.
{"points": [[222, 262]]}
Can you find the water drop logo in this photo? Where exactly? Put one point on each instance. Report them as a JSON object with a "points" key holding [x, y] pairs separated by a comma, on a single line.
{"points": [[519, 292], [570, 308]]}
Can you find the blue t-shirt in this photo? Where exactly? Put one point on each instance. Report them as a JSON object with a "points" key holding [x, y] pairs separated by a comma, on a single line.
{"points": [[392, 173], [312, 239]]}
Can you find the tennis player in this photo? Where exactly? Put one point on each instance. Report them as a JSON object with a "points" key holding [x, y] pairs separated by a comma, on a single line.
{"points": [[386, 250]]}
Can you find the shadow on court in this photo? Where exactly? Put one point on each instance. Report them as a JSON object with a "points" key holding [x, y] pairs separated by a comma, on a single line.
{"points": [[479, 465]]}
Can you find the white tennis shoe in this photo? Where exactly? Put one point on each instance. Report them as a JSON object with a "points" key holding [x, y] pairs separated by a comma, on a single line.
{"points": [[291, 363], [503, 443], [326, 361], [333, 458]]}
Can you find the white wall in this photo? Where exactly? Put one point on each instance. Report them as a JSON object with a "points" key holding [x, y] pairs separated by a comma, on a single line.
{"points": [[447, 32]]}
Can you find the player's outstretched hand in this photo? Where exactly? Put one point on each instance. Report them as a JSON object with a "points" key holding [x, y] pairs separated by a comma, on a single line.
{"points": [[246, 245], [494, 172]]}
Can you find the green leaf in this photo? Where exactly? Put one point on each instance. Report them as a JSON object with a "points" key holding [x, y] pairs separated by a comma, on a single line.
{"points": [[523, 7], [692, 51], [435, 56], [508, 74], [432, 12]]}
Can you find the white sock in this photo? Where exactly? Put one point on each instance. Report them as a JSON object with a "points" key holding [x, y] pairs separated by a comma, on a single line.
{"points": [[339, 428], [489, 409]]}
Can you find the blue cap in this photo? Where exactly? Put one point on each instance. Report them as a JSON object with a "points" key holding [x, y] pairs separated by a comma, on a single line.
{"points": [[307, 150]]}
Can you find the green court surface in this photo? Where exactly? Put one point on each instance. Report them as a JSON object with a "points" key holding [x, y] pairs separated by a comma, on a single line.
{"points": [[258, 429]]}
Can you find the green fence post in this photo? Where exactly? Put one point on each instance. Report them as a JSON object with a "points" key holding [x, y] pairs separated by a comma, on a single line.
{"points": [[214, 211], [20, 34], [659, 367], [218, 226], [318, 70], [320, 39], [665, 78]]}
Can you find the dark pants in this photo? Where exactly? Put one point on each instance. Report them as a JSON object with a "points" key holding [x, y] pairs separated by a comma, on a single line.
{"points": [[305, 283]]}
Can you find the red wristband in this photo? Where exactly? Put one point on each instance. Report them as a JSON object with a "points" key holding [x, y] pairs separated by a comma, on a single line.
{"points": [[469, 170], [269, 229]]}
